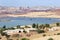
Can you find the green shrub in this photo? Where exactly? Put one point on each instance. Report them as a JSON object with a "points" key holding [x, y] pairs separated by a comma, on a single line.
{"points": [[33, 25], [57, 24], [10, 39], [44, 35], [50, 39], [54, 34], [40, 31], [24, 39], [24, 31], [0, 38], [58, 33]]}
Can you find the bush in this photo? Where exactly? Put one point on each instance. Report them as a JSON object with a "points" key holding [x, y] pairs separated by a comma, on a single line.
{"points": [[0, 38], [24, 39], [44, 35], [3, 34], [57, 24], [58, 33], [24, 31], [33, 25], [40, 31], [50, 39], [54, 34], [10, 39]]}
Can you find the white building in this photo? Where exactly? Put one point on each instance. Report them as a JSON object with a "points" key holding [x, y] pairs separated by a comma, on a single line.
{"points": [[54, 28], [30, 29], [16, 31]]}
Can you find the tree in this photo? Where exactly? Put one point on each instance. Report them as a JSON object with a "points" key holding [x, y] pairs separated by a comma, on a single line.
{"points": [[37, 26], [57, 24], [24, 39], [42, 26], [47, 25], [1, 31], [33, 25], [4, 26]]}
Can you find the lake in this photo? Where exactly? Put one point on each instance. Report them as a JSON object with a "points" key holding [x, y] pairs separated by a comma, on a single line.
{"points": [[13, 21]]}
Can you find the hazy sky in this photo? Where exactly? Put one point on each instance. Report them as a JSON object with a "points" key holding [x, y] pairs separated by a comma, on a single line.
{"points": [[30, 2]]}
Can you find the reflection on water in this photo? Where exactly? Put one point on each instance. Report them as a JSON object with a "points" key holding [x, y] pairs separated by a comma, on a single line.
{"points": [[5, 20]]}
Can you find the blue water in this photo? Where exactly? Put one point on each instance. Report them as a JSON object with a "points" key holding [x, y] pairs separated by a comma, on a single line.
{"points": [[27, 21]]}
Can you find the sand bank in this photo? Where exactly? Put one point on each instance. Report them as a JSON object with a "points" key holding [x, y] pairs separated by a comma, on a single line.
{"points": [[37, 14]]}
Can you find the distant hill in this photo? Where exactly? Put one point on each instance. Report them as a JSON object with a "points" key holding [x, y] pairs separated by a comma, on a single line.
{"points": [[6, 11]]}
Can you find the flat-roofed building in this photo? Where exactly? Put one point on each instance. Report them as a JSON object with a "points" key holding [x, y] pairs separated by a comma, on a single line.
{"points": [[11, 32]]}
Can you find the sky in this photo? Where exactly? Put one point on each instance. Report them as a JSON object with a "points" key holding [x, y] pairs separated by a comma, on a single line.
{"points": [[30, 3]]}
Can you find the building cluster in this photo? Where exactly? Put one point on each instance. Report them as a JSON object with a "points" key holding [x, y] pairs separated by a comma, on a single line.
{"points": [[20, 30]]}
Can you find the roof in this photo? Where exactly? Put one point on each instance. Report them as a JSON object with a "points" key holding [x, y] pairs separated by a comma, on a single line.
{"points": [[30, 29]]}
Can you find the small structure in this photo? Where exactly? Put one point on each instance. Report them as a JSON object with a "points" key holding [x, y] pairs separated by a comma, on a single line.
{"points": [[18, 31], [11, 32], [28, 30], [54, 28], [28, 26]]}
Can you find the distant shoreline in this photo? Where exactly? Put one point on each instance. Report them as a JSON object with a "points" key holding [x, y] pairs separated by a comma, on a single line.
{"points": [[36, 14]]}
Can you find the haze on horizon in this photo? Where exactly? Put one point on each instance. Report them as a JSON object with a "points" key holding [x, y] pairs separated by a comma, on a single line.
{"points": [[30, 3]]}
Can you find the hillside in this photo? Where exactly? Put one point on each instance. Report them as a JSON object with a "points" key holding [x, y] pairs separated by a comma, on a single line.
{"points": [[48, 12]]}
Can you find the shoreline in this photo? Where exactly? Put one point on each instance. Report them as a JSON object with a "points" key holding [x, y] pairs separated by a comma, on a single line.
{"points": [[36, 15]]}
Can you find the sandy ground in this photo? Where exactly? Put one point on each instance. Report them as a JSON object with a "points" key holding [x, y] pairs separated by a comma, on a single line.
{"points": [[56, 37], [37, 14], [49, 34]]}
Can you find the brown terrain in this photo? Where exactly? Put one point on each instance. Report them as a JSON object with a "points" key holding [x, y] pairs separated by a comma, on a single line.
{"points": [[29, 12]]}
